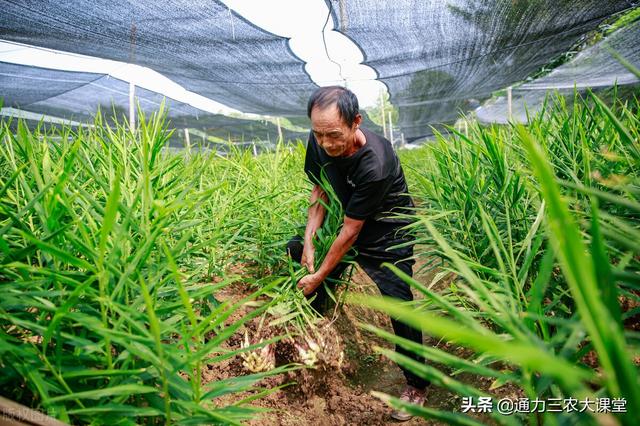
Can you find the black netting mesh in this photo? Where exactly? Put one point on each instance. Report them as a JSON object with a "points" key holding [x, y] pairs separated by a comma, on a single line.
{"points": [[597, 66], [77, 96], [437, 56], [111, 96], [199, 44], [594, 67], [22, 85]]}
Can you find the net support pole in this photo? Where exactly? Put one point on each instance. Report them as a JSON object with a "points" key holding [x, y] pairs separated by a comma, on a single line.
{"points": [[402, 142], [384, 126], [132, 106], [390, 129], [280, 137], [187, 142], [509, 106]]}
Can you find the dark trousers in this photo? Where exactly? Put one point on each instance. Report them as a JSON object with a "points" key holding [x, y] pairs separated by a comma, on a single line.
{"points": [[389, 284]]}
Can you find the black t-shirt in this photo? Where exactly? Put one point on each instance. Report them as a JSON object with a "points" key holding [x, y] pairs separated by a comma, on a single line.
{"points": [[370, 185]]}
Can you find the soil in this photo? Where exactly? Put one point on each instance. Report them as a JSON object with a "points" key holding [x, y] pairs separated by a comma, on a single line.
{"points": [[337, 390], [632, 322]]}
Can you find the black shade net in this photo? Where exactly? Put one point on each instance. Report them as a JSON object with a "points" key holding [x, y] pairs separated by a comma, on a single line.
{"points": [[78, 96], [23, 85], [596, 67], [199, 44], [438, 57]]}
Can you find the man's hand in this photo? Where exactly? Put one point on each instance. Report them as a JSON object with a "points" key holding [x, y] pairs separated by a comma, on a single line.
{"points": [[347, 236], [314, 221], [308, 257], [309, 283]]}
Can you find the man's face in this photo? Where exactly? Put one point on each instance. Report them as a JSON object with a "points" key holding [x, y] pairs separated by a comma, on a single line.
{"points": [[331, 132]]}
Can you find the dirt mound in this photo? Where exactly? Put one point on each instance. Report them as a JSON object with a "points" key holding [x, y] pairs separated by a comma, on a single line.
{"points": [[342, 367]]}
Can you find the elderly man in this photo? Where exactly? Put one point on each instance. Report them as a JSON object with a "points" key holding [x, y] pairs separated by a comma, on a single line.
{"points": [[365, 173]]}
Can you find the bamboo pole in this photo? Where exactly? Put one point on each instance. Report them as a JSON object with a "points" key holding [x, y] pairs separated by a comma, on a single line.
{"points": [[280, 137], [187, 141], [132, 87], [509, 106], [132, 107], [384, 127], [390, 129]]}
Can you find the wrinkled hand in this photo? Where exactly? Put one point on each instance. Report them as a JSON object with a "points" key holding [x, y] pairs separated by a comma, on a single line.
{"points": [[308, 255], [309, 283]]}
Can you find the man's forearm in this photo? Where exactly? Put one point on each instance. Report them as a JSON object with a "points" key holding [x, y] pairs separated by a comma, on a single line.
{"points": [[316, 214], [345, 240]]}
